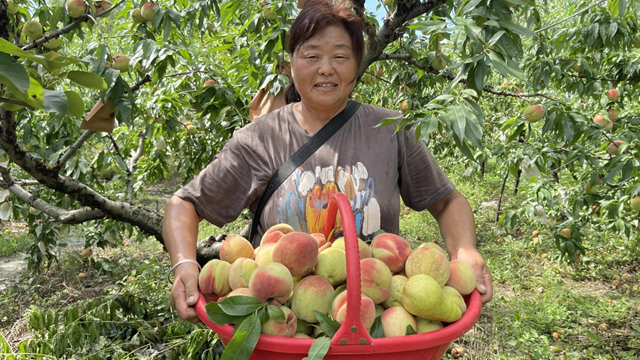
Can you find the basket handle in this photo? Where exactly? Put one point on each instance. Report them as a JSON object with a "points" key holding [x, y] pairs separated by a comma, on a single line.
{"points": [[352, 332]]}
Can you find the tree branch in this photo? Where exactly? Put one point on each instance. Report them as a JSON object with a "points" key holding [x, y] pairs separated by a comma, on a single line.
{"points": [[410, 60], [389, 31], [143, 218], [72, 150], [116, 148], [67, 28], [134, 164], [369, 28], [571, 17], [62, 215], [16, 102]]}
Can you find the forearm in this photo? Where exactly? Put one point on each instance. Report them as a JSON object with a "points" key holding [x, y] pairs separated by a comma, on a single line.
{"points": [[457, 225], [180, 229]]}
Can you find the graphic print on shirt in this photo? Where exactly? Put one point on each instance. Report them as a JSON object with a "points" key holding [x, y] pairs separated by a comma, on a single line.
{"points": [[303, 198]]}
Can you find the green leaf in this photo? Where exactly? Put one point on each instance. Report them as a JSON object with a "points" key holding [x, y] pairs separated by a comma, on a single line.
{"points": [[13, 72], [275, 313], [240, 305], [516, 28], [244, 340], [55, 101], [387, 121], [411, 330], [377, 331], [76, 105], [327, 324], [34, 96], [503, 68], [87, 79], [458, 121], [8, 48], [218, 316], [318, 349], [613, 7]]}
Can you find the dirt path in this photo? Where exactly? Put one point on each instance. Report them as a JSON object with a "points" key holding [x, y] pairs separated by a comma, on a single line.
{"points": [[13, 266]]}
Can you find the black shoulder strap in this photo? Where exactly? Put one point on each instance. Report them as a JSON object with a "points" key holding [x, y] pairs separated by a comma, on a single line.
{"points": [[299, 157]]}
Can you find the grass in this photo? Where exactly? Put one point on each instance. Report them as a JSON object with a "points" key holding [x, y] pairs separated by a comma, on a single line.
{"points": [[542, 308], [13, 241]]}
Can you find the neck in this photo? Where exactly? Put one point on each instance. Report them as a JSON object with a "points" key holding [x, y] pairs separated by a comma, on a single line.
{"points": [[313, 119]]}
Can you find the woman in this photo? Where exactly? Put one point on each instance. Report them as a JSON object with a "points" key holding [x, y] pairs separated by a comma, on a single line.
{"points": [[372, 166]]}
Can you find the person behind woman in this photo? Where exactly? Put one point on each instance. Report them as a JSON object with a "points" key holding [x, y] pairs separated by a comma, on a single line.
{"points": [[373, 167]]}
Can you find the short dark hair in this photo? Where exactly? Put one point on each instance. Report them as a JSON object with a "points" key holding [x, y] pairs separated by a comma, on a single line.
{"points": [[316, 16]]}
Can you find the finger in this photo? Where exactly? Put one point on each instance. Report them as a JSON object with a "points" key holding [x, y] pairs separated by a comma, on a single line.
{"points": [[488, 283], [191, 289], [178, 295]]}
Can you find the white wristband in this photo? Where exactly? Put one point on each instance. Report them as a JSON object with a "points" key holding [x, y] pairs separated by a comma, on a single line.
{"points": [[180, 263]]}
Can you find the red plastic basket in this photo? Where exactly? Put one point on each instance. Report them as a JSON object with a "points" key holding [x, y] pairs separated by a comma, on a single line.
{"points": [[352, 341]]}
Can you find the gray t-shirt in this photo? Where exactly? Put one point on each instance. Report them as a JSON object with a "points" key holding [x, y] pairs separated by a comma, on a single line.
{"points": [[373, 167]]}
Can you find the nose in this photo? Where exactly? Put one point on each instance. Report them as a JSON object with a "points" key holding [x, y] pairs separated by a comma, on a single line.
{"points": [[325, 67]]}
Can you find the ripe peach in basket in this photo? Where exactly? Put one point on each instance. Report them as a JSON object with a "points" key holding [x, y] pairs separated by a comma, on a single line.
{"points": [[272, 283], [392, 249], [298, 251]]}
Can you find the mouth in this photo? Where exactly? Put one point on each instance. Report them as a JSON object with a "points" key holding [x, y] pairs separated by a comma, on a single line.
{"points": [[326, 85]]}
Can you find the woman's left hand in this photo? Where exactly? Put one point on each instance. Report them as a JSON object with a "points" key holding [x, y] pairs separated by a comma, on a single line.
{"points": [[484, 282]]}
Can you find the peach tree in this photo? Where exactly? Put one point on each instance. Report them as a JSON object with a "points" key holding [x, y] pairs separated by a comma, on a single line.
{"points": [[99, 99]]}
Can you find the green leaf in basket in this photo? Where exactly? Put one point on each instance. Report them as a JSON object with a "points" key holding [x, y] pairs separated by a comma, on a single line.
{"points": [[327, 324], [218, 316], [240, 305], [275, 313], [244, 340], [319, 348], [376, 329], [87, 79], [411, 330]]}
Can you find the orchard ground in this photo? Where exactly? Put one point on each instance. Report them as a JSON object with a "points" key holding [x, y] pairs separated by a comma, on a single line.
{"points": [[542, 308]]}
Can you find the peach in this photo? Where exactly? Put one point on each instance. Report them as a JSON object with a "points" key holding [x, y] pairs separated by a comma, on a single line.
{"points": [[147, 12], [332, 266], [235, 247], [285, 328], [298, 251], [426, 325], [75, 8], [244, 291], [422, 296], [364, 249], [271, 282], [375, 278], [240, 272], [214, 278], [534, 113], [392, 249], [274, 233], [433, 246], [395, 321], [613, 95], [395, 294], [320, 238], [428, 261], [612, 149], [367, 309], [265, 254], [324, 247], [461, 276], [312, 293], [600, 121], [304, 327], [455, 296]]}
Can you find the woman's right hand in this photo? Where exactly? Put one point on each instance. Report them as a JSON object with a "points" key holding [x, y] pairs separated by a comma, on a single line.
{"points": [[184, 293]]}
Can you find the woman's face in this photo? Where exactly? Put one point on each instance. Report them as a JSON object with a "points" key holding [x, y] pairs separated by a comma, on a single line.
{"points": [[324, 68]]}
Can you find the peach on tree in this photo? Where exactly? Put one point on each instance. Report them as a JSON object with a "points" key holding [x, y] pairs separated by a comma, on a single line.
{"points": [[613, 95], [76, 8], [147, 11], [136, 16], [32, 29], [12, 7], [534, 113]]}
